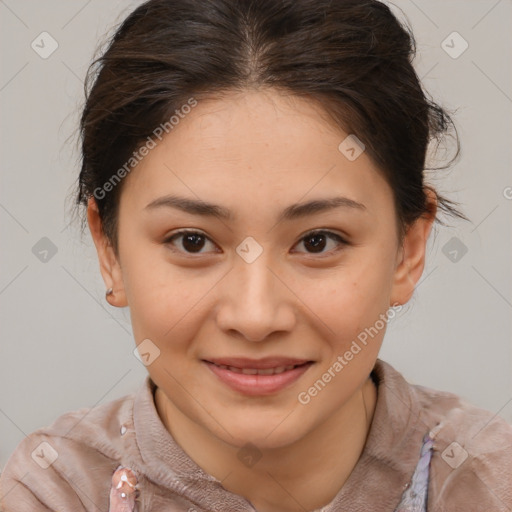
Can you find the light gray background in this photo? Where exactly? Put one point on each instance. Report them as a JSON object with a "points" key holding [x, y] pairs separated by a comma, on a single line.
{"points": [[63, 347]]}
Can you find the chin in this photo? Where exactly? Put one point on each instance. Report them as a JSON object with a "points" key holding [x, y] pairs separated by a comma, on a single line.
{"points": [[263, 432]]}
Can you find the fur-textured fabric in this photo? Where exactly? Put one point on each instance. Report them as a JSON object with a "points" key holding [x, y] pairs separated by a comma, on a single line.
{"points": [[418, 436]]}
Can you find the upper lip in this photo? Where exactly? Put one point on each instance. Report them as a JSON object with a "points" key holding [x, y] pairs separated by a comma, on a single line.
{"points": [[259, 364]]}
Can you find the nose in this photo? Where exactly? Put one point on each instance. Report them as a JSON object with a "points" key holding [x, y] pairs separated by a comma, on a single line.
{"points": [[256, 301]]}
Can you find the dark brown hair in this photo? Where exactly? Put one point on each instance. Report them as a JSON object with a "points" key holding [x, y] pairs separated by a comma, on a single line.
{"points": [[352, 57]]}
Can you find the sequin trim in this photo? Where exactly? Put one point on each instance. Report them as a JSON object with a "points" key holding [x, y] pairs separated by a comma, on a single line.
{"points": [[414, 498]]}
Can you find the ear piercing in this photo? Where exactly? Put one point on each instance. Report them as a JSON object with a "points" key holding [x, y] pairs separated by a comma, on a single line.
{"points": [[109, 292]]}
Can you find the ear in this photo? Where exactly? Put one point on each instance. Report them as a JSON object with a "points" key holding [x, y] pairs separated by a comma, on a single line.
{"points": [[411, 255], [109, 265]]}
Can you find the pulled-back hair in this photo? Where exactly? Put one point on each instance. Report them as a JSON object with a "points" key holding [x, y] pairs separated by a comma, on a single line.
{"points": [[352, 57]]}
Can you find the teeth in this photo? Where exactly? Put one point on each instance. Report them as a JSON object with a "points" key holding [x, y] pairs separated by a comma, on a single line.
{"points": [[249, 371], [258, 371], [270, 371]]}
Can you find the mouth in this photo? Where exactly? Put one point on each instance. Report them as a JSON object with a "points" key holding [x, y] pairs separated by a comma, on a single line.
{"points": [[258, 376]]}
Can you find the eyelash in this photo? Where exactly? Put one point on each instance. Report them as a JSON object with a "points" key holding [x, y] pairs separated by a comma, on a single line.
{"points": [[333, 236]]}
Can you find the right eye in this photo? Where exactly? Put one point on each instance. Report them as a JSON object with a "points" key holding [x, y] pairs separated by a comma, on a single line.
{"points": [[191, 241]]}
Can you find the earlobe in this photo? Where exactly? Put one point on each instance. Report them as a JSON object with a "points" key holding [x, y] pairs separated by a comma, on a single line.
{"points": [[411, 256], [109, 265]]}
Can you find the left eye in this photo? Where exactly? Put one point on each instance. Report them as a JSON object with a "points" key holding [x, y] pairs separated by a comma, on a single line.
{"points": [[316, 241]]}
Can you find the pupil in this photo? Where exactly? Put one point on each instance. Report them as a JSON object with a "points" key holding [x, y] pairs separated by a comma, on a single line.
{"points": [[192, 242], [317, 244]]}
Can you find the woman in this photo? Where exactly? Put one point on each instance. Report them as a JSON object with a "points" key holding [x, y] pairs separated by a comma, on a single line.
{"points": [[253, 178]]}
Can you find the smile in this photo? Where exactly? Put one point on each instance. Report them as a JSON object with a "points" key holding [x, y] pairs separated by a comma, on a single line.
{"points": [[258, 377], [256, 371]]}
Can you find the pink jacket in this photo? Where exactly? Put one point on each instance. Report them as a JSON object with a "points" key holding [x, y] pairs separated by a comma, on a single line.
{"points": [[427, 450]]}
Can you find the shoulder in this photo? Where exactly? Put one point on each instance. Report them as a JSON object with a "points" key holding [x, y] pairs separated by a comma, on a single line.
{"points": [[68, 464], [472, 454]]}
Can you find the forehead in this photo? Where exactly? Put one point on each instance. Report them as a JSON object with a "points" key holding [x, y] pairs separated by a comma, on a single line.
{"points": [[256, 147]]}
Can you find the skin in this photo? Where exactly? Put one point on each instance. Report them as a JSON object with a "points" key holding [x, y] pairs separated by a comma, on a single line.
{"points": [[256, 153]]}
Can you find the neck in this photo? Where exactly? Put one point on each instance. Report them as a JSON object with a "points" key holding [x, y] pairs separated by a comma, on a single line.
{"points": [[305, 475]]}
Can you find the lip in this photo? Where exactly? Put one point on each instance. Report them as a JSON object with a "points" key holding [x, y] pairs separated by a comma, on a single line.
{"points": [[255, 384], [260, 364]]}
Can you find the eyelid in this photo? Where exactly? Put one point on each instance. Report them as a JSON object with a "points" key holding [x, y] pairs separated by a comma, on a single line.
{"points": [[342, 240], [186, 231], [328, 231]]}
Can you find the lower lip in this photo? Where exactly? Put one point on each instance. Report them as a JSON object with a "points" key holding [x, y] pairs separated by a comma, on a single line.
{"points": [[258, 385]]}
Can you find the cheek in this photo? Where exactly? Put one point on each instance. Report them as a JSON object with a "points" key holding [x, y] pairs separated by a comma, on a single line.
{"points": [[167, 304], [355, 311], [356, 297]]}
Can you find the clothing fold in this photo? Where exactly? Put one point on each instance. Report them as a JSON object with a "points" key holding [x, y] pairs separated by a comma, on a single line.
{"points": [[426, 450]]}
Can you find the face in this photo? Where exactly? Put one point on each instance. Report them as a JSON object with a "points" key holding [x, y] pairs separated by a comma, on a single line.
{"points": [[256, 302]]}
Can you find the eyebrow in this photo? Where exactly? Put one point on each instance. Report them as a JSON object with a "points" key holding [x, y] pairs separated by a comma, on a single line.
{"points": [[294, 211]]}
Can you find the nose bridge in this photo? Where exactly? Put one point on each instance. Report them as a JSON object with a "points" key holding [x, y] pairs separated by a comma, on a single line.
{"points": [[257, 283], [257, 303]]}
